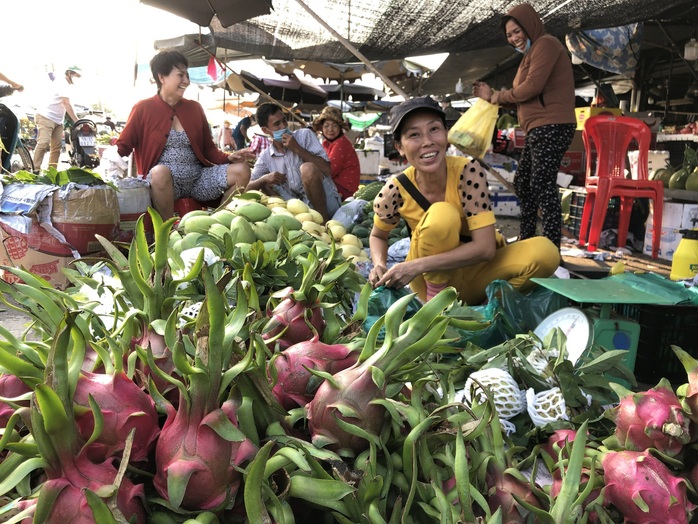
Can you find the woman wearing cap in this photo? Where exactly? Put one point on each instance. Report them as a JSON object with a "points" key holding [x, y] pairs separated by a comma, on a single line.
{"points": [[344, 161], [544, 96], [453, 242], [173, 143]]}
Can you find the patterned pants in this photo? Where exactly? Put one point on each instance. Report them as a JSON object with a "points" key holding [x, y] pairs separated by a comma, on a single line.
{"points": [[536, 179]]}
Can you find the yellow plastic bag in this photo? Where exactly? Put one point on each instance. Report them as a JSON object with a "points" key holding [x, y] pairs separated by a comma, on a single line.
{"points": [[472, 133]]}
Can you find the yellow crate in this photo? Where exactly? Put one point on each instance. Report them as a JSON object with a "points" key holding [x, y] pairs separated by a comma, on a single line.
{"points": [[585, 112]]}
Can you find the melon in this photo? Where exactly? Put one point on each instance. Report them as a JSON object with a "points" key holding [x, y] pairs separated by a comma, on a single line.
{"points": [[692, 181], [678, 179]]}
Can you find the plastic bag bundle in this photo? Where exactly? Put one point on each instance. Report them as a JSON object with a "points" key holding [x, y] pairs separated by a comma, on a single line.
{"points": [[472, 133]]}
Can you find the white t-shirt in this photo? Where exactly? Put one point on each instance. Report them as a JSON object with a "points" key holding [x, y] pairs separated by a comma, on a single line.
{"points": [[53, 109]]}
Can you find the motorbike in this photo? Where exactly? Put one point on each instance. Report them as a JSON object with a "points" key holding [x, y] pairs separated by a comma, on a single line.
{"points": [[81, 144], [14, 154]]}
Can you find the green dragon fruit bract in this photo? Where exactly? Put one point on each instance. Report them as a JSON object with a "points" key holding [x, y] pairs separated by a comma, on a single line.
{"points": [[644, 490], [124, 406], [295, 385]]}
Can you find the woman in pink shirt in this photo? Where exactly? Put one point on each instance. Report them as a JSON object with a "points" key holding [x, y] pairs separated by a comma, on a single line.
{"points": [[344, 161]]}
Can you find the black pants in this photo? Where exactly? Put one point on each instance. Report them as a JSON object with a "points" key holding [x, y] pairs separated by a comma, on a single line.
{"points": [[536, 179]]}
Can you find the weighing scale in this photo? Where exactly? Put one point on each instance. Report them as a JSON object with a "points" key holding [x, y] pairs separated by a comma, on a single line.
{"points": [[600, 326]]}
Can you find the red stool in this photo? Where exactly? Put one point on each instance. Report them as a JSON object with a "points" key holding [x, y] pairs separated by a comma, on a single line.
{"points": [[182, 206], [610, 137]]}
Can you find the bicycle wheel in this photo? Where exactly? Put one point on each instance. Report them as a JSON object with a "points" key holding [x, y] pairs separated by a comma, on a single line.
{"points": [[26, 163]]}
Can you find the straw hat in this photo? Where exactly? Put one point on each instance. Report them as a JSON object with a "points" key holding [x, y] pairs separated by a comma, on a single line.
{"points": [[329, 113]]}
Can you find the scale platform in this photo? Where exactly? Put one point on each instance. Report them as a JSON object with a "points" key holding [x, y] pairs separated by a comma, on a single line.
{"points": [[584, 327]]}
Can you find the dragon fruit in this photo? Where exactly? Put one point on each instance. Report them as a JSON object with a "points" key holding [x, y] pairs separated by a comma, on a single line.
{"points": [[75, 484], [200, 443], [11, 387], [644, 490], [124, 406], [557, 441], [347, 396], [555, 448], [295, 385], [297, 317], [652, 419]]}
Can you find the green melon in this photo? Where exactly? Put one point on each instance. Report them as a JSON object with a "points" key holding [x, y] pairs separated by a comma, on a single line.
{"points": [[678, 179], [663, 174], [692, 181]]}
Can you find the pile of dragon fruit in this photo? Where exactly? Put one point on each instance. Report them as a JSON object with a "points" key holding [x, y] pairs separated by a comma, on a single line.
{"points": [[244, 387]]}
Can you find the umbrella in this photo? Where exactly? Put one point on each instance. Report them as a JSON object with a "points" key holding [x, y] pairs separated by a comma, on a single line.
{"points": [[292, 90], [358, 93], [201, 12]]}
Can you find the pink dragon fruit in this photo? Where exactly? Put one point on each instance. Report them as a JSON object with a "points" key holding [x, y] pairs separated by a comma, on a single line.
{"points": [[295, 385], [347, 396], [643, 489], [70, 482], [557, 441], [348, 399], [74, 482], [124, 406], [11, 386], [300, 317], [200, 443], [652, 419], [502, 488], [192, 456]]}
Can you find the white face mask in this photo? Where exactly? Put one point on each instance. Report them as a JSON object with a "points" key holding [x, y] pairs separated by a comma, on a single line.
{"points": [[528, 46]]}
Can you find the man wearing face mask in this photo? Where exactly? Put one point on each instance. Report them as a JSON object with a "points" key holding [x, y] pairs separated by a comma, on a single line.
{"points": [[295, 165], [543, 91]]}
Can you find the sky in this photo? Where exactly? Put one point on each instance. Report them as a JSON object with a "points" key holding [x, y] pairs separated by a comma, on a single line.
{"points": [[105, 38]]}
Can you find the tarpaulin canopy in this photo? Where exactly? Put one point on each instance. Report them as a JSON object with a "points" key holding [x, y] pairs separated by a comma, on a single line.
{"points": [[389, 29]]}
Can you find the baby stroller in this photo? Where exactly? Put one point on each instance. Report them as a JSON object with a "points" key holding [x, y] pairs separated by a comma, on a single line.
{"points": [[81, 144], [11, 142]]}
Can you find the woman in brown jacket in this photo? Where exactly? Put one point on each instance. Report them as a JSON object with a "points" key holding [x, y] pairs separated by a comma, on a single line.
{"points": [[543, 91]]}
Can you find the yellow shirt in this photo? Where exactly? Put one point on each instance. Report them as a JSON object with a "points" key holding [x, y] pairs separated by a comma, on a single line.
{"points": [[466, 188]]}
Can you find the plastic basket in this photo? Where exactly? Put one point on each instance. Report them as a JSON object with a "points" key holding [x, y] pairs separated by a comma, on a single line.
{"points": [[661, 327]]}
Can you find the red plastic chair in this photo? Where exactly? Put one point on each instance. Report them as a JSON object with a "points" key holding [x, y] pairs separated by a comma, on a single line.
{"points": [[610, 137]]}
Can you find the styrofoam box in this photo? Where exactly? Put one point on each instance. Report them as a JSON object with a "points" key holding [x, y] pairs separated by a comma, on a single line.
{"points": [[504, 203], [369, 161], [675, 216], [656, 160]]}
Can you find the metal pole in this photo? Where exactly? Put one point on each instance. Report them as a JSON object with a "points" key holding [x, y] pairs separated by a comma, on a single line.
{"points": [[392, 85]]}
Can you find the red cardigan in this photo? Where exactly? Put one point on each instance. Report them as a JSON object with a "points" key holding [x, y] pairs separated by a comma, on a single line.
{"points": [[344, 163], [149, 125]]}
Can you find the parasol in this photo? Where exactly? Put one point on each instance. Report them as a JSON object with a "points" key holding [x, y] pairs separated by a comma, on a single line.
{"points": [[201, 12]]}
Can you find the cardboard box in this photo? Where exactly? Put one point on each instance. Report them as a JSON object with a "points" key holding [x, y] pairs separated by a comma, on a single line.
{"points": [[38, 252], [585, 112], [47, 246], [675, 216]]}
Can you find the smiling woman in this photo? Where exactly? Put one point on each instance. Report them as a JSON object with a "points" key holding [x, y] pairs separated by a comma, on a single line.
{"points": [[445, 202]]}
